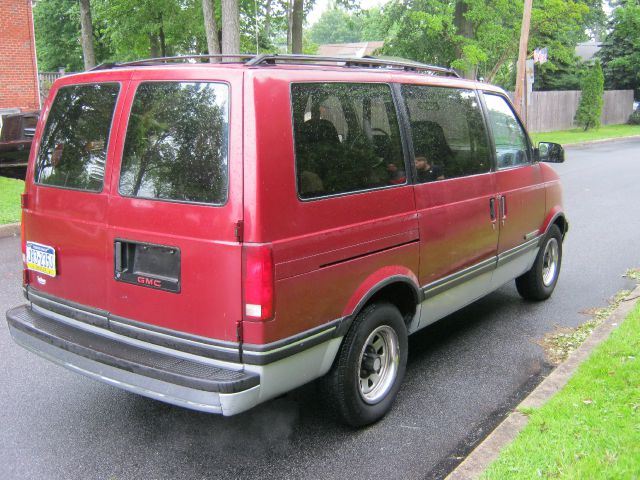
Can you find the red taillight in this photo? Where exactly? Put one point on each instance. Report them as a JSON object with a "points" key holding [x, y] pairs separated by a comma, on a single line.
{"points": [[25, 277], [257, 278]]}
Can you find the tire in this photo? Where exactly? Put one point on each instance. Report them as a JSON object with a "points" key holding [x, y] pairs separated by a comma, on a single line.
{"points": [[368, 371], [539, 282]]}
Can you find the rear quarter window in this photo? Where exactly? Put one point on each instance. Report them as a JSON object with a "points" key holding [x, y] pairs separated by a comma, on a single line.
{"points": [[176, 143], [73, 148], [347, 138]]}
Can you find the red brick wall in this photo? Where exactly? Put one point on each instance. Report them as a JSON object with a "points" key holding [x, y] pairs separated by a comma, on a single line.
{"points": [[18, 69]]}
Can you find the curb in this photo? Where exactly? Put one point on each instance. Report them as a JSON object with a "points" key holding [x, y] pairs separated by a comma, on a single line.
{"points": [[485, 453], [604, 140], [9, 230]]}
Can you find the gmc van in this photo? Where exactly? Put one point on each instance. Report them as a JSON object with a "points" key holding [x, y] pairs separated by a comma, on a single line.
{"points": [[213, 235]]}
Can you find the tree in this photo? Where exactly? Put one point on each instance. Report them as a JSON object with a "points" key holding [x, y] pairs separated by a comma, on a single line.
{"points": [[481, 36], [297, 18], [590, 108], [336, 26], [230, 27], [86, 36], [560, 26], [57, 32], [208, 11], [620, 53]]}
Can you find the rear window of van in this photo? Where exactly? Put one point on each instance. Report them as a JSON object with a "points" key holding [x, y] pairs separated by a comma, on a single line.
{"points": [[73, 148], [176, 143]]}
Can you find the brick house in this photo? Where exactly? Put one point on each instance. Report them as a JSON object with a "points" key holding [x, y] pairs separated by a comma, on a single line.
{"points": [[18, 67]]}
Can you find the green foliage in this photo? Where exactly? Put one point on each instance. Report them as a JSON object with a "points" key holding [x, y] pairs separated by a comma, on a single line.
{"points": [[336, 26], [590, 108], [134, 29], [634, 118], [57, 27], [425, 30], [559, 26], [10, 191], [420, 30], [339, 26], [620, 53]]}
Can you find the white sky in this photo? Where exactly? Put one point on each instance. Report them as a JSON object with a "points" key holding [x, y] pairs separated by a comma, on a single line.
{"points": [[321, 6]]}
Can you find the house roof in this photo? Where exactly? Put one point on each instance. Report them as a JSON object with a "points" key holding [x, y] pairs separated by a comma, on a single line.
{"points": [[359, 49]]}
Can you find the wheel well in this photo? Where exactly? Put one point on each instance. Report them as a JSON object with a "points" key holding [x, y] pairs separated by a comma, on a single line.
{"points": [[562, 224], [400, 294]]}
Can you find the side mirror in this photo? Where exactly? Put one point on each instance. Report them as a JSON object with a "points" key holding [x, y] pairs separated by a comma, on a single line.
{"points": [[550, 152]]}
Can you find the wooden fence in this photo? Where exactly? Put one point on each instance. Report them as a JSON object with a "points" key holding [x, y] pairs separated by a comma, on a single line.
{"points": [[46, 79], [549, 111]]}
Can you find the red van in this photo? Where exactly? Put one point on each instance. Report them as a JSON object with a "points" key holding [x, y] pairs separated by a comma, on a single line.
{"points": [[214, 235]]}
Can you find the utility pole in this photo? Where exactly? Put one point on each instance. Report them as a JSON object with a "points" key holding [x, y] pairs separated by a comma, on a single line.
{"points": [[522, 57]]}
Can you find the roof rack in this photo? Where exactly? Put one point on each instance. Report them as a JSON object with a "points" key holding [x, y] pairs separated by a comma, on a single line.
{"points": [[273, 59], [371, 62], [236, 58]]}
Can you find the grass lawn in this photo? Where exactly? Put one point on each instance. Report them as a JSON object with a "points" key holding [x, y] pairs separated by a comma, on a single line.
{"points": [[567, 137], [590, 429], [10, 191]]}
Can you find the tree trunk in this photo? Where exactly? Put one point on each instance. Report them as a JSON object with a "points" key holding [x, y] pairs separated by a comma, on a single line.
{"points": [[297, 16], [267, 21], [230, 27], [210, 27], [163, 44], [522, 58], [86, 35], [154, 45], [289, 24], [464, 27]]}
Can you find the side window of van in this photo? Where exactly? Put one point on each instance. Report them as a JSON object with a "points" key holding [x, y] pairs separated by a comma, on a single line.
{"points": [[347, 138], [176, 143], [448, 131], [511, 141], [73, 148]]}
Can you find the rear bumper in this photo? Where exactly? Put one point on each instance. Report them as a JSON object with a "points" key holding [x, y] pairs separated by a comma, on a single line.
{"points": [[197, 383], [85, 342]]}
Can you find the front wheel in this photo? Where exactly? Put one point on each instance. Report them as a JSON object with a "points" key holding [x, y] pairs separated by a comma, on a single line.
{"points": [[370, 366], [539, 282]]}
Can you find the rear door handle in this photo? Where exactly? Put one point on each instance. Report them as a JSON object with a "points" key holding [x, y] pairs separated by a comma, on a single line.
{"points": [[503, 209]]}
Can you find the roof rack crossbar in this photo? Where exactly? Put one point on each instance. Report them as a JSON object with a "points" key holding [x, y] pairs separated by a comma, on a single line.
{"points": [[270, 59], [160, 60]]}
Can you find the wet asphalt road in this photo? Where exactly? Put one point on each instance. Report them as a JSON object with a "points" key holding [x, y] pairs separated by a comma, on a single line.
{"points": [[464, 374]]}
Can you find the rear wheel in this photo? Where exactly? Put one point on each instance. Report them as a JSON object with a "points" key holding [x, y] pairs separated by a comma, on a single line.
{"points": [[539, 282], [370, 366]]}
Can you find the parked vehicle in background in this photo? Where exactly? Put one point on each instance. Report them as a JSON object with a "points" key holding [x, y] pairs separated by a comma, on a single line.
{"points": [[16, 134], [214, 235]]}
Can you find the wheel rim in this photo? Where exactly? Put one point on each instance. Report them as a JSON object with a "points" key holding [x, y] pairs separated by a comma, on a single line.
{"points": [[550, 262], [379, 360]]}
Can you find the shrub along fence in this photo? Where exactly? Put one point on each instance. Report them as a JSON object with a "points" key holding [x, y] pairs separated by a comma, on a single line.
{"points": [[549, 111]]}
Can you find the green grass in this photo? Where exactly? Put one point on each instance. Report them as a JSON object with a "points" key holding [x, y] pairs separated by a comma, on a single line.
{"points": [[590, 429], [568, 137], [10, 191]]}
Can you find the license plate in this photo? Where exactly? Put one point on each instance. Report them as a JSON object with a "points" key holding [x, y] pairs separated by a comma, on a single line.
{"points": [[41, 258]]}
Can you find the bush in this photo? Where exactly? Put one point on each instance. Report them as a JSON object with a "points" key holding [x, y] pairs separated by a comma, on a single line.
{"points": [[590, 108], [634, 118]]}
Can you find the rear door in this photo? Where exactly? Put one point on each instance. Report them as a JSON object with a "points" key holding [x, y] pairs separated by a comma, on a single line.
{"points": [[176, 202], [67, 190]]}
